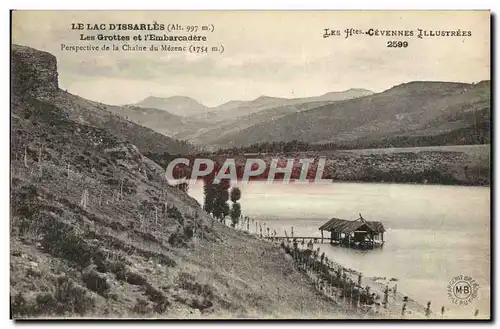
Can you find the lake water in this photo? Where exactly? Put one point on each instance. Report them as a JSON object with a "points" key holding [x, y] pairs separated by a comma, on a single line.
{"points": [[434, 233]]}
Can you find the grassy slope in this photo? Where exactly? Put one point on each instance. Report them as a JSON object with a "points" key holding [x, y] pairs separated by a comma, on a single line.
{"points": [[104, 116], [135, 265], [96, 231]]}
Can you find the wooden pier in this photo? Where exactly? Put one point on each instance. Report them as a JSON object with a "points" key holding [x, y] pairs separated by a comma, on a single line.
{"points": [[315, 239], [356, 234]]}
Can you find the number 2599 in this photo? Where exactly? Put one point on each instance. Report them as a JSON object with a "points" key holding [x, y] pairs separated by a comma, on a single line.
{"points": [[397, 44]]}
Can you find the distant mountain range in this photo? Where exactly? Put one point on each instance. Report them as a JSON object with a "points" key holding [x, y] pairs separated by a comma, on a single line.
{"points": [[410, 114], [412, 109], [186, 118], [188, 107]]}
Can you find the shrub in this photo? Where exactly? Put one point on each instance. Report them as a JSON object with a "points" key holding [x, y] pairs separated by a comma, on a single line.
{"points": [[187, 282], [142, 307], [97, 282], [24, 202], [173, 212], [135, 278], [68, 298], [188, 232], [72, 297], [61, 241], [177, 239]]}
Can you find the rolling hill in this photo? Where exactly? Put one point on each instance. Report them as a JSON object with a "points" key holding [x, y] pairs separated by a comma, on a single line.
{"points": [[212, 132], [161, 121], [410, 110]]}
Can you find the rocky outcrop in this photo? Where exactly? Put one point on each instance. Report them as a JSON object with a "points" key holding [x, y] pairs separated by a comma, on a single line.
{"points": [[33, 72], [35, 88]]}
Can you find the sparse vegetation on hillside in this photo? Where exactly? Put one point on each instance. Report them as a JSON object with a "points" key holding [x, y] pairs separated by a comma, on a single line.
{"points": [[96, 231]]}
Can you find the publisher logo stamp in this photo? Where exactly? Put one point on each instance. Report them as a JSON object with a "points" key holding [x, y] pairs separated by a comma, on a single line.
{"points": [[462, 289]]}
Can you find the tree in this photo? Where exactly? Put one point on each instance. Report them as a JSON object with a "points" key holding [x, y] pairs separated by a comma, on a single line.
{"points": [[209, 193], [236, 209], [221, 196], [183, 187], [235, 213], [235, 194], [225, 210]]}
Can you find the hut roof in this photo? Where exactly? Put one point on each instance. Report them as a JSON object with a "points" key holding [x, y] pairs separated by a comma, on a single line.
{"points": [[348, 226]]}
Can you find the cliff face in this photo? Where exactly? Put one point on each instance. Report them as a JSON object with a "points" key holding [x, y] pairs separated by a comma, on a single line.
{"points": [[33, 72], [34, 76]]}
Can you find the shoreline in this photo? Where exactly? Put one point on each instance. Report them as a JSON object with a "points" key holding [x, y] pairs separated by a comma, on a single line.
{"points": [[414, 309], [391, 309], [469, 166], [335, 294]]}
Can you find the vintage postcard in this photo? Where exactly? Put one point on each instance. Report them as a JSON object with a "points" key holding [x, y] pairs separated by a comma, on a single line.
{"points": [[250, 165]]}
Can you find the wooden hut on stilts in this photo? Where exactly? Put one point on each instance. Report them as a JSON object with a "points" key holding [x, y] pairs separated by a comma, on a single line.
{"points": [[358, 233]]}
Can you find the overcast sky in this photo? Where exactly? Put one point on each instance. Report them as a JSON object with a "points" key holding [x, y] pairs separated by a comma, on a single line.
{"points": [[281, 54]]}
